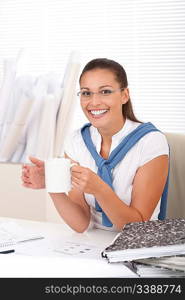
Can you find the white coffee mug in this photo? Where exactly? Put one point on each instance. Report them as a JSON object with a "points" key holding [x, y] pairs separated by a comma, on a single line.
{"points": [[58, 175]]}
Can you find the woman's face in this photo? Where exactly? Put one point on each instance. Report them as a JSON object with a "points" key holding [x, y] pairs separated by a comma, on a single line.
{"points": [[103, 110]]}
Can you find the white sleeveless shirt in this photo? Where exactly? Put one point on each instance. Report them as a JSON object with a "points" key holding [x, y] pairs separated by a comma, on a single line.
{"points": [[147, 148]]}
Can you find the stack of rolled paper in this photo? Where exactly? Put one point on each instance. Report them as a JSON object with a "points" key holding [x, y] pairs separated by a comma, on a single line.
{"points": [[35, 112]]}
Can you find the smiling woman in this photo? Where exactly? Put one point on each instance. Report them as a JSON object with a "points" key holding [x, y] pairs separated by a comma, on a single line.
{"points": [[122, 163], [103, 107], [111, 98]]}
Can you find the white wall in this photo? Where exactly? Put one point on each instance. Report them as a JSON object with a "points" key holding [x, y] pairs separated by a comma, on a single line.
{"points": [[17, 201], [51, 212]]}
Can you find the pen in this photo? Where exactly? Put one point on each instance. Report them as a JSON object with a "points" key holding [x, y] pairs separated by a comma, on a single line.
{"points": [[7, 251]]}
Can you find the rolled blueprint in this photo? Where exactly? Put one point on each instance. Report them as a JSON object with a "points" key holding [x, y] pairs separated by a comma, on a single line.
{"points": [[17, 155], [6, 93], [46, 131], [39, 93], [16, 129], [67, 104], [42, 124]]}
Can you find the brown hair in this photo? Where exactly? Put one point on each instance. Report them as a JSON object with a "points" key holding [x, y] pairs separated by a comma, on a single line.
{"points": [[121, 77]]}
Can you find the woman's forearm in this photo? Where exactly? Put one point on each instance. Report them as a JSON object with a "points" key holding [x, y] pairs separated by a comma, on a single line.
{"points": [[117, 211], [72, 213]]}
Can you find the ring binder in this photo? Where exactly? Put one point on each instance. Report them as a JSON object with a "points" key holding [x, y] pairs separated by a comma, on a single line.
{"points": [[153, 238], [6, 244]]}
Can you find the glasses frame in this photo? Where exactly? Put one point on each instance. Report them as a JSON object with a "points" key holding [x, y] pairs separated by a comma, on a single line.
{"points": [[79, 94]]}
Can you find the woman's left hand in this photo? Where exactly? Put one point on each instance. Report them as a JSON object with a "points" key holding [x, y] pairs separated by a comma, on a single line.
{"points": [[85, 180]]}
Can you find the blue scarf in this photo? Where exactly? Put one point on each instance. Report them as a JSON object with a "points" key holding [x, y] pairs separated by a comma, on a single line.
{"points": [[105, 166]]}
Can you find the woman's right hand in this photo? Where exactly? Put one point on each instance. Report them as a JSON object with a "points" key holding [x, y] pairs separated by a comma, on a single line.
{"points": [[33, 176]]}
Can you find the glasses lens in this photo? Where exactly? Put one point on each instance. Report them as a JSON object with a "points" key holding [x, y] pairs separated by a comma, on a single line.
{"points": [[106, 92], [86, 94]]}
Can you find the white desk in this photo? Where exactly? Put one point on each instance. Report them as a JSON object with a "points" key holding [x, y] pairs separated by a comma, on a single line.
{"points": [[39, 258]]}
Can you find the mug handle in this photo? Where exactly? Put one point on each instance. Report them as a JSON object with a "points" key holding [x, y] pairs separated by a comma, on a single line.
{"points": [[73, 164]]}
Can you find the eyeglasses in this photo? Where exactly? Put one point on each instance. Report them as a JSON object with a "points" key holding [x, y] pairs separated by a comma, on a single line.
{"points": [[103, 93]]}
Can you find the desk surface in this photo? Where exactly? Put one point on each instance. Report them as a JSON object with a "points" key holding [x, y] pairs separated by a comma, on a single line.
{"points": [[45, 257], [48, 257]]}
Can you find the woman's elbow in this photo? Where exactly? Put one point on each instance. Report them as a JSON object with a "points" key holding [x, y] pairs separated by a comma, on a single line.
{"points": [[81, 228]]}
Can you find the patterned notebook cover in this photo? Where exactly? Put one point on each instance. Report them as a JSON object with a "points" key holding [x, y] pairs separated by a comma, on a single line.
{"points": [[150, 234]]}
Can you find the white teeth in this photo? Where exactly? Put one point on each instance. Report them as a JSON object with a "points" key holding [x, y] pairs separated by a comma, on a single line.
{"points": [[98, 112]]}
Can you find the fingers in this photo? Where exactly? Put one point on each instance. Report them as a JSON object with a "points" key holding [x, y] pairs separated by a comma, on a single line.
{"points": [[78, 169], [77, 184], [33, 175], [25, 175], [25, 169], [25, 179], [26, 184], [29, 185], [76, 180], [79, 181], [80, 173], [36, 161], [77, 175]]}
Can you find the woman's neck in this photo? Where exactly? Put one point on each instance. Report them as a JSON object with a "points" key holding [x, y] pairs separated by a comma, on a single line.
{"points": [[107, 140], [107, 133]]}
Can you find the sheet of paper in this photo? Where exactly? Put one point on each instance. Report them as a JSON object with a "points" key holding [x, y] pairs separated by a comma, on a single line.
{"points": [[79, 249], [157, 272], [11, 232], [36, 248]]}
